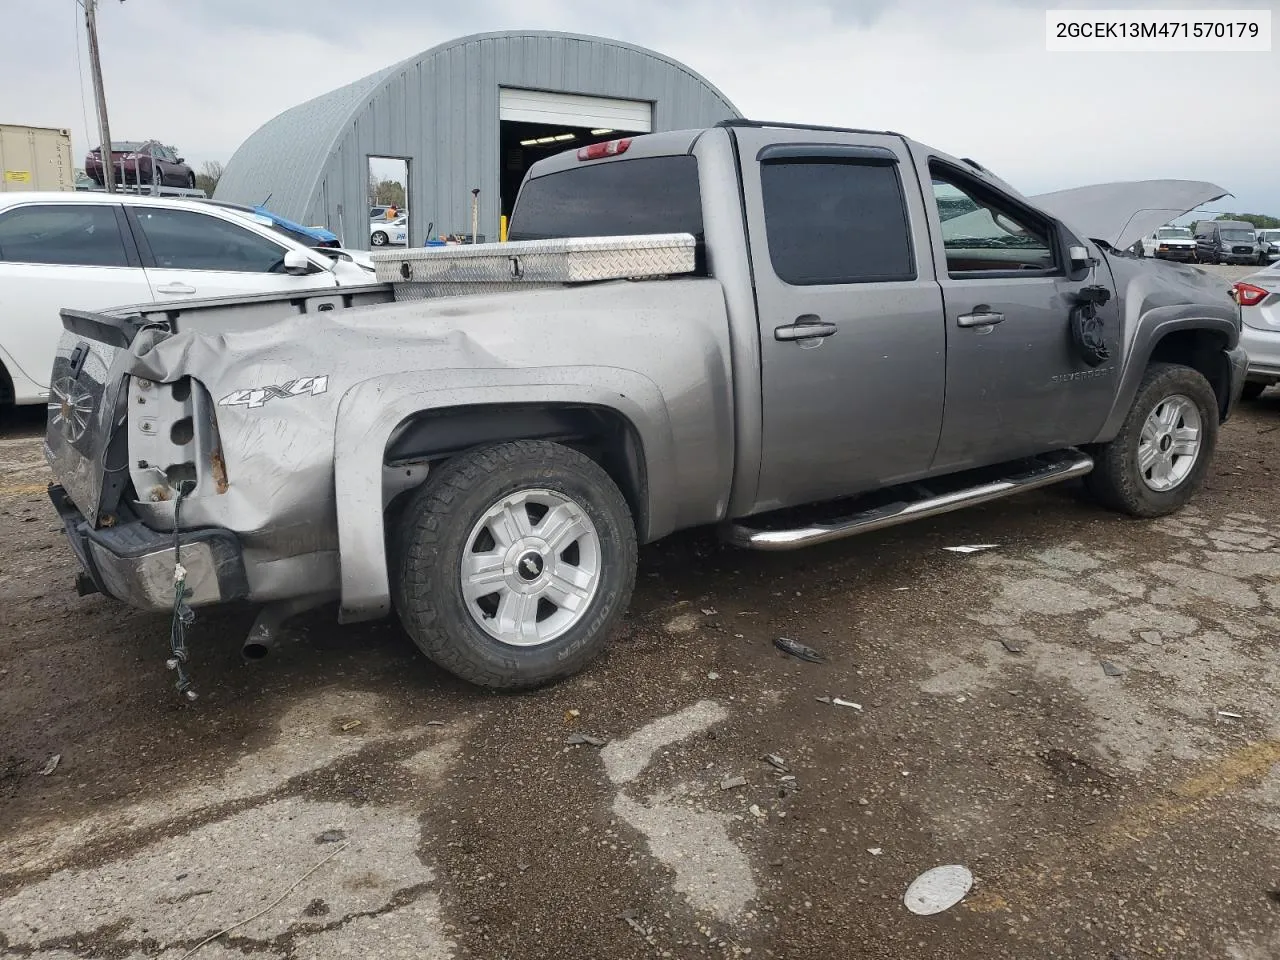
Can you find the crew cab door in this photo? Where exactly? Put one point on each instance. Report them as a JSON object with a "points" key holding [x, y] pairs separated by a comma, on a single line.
{"points": [[190, 254], [850, 315], [1015, 383]]}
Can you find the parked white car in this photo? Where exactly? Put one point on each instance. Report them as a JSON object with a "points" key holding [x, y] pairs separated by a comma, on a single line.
{"points": [[394, 232], [1170, 243], [93, 251], [1272, 240], [1259, 297]]}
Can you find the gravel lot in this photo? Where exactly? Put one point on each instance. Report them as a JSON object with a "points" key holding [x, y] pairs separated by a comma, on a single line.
{"points": [[1114, 787]]}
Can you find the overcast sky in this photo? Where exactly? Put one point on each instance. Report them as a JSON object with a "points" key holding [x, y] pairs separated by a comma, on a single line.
{"points": [[970, 77]]}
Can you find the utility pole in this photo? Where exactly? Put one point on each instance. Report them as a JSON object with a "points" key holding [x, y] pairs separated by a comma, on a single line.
{"points": [[95, 67]]}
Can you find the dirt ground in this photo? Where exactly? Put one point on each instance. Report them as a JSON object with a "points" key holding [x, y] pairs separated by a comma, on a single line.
{"points": [[1114, 786]]}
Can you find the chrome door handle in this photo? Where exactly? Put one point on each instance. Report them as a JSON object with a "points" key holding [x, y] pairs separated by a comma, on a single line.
{"points": [[981, 317], [176, 288], [807, 327]]}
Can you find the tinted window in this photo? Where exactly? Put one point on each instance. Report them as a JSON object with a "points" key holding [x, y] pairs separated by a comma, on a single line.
{"points": [[614, 199], [836, 222], [183, 240], [982, 232], [79, 235]]}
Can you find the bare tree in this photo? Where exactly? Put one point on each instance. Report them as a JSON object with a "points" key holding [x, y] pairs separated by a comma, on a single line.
{"points": [[208, 177], [384, 192]]}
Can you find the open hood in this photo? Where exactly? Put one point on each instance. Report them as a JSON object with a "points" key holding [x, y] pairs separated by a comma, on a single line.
{"points": [[1121, 213]]}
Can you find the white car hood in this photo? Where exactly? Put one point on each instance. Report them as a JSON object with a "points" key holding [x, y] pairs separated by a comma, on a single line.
{"points": [[1121, 213]]}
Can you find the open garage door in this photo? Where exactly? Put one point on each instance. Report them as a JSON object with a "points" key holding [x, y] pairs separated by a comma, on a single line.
{"points": [[573, 110], [536, 124]]}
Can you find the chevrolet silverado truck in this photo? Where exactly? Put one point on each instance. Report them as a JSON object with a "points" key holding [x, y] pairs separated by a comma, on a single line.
{"points": [[796, 334]]}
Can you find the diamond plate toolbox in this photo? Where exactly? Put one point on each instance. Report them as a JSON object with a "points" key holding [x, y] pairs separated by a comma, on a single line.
{"points": [[575, 260]]}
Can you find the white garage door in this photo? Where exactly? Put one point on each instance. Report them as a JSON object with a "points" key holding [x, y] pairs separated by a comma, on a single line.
{"points": [[571, 110]]}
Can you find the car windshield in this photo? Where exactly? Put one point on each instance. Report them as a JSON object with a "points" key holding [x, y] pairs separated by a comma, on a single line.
{"points": [[1174, 233], [1237, 234]]}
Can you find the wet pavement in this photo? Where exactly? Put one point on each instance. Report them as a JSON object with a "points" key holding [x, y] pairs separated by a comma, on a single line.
{"points": [[1085, 716]]}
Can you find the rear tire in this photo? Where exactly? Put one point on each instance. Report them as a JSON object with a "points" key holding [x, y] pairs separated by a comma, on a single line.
{"points": [[191, 181], [1253, 390], [1172, 402], [509, 623], [379, 239]]}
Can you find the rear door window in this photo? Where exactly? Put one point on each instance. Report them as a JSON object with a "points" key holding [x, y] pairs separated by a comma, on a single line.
{"points": [[184, 240], [82, 234], [617, 198], [836, 222]]}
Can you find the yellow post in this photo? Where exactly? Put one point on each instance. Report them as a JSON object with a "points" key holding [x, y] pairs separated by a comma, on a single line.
{"points": [[502, 230]]}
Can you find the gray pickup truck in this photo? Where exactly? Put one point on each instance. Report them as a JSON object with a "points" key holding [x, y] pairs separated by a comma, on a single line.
{"points": [[846, 330]]}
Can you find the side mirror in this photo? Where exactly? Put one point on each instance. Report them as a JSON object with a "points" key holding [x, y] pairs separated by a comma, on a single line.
{"points": [[1079, 257], [181, 160], [297, 263]]}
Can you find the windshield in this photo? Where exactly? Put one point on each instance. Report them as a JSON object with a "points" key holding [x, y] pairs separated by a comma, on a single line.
{"points": [[1269, 235], [1173, 233], [1237, 234]]}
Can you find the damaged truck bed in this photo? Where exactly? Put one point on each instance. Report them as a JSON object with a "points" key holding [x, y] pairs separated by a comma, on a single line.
{"points": [[797, 334]]}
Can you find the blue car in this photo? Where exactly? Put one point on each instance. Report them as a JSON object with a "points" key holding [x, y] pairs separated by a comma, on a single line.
{"points": [[317, 237]]}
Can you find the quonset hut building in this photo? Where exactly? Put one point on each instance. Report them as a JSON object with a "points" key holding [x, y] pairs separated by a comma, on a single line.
{"points": [[472, 113]]}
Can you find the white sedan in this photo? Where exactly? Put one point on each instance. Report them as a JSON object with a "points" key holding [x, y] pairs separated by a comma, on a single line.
{"points": [[394, 232], [1259, 297], [94, 251]]}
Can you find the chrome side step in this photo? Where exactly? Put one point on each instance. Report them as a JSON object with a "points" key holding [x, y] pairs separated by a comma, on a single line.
{"points": [[1054, 469]]}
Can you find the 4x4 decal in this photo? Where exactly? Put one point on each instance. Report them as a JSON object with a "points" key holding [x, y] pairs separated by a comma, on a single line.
{"points": [[257, 396]]}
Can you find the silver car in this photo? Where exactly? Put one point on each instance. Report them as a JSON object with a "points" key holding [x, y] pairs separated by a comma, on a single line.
{"points": [[1259, 297]]}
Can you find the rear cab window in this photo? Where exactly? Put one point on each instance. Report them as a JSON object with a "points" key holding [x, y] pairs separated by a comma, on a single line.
{"points": [[614, 198]]}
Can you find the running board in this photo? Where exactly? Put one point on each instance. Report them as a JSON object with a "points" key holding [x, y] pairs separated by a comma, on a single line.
{"points": [[1059, 467]]}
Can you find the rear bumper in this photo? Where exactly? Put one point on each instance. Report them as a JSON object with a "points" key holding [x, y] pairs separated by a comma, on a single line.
{"points": [[1263, 347], [135, 564]]}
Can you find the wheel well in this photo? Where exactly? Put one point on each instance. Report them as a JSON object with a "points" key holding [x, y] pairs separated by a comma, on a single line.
{"points": [[1202, 350], [7, 395], [602, 434]]}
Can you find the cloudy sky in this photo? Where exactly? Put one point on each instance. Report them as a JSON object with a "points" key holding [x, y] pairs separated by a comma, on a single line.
{"points": [[971, 77]]}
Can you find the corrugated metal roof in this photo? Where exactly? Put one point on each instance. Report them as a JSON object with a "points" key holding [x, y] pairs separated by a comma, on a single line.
{"points": [[284, 157]]}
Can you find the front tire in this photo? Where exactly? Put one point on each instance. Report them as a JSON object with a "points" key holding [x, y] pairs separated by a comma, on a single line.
{"points": [[515, 563], [1159, 458]]}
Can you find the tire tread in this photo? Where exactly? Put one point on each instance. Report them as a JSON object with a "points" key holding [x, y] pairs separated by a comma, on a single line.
{"points": [[1115, 483], [422, 530]]}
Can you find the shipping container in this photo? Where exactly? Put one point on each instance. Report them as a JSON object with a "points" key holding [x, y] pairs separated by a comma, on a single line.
{"points": [[35, 158]]}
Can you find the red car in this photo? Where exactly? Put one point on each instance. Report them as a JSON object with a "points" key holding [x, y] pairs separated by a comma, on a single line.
{"points": [[143, 161]]}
